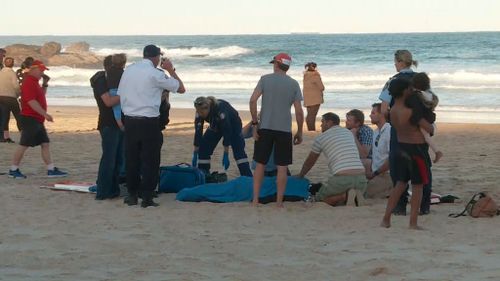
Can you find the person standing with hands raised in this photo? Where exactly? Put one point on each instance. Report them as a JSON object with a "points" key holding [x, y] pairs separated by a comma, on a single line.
{"points": [[140, 91]]}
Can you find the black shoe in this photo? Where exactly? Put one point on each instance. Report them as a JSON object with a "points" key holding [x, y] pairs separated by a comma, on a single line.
{"points": [[424, 212], [149, 203], [130, 200], [399, 212], [314, 188], [7, 140]]}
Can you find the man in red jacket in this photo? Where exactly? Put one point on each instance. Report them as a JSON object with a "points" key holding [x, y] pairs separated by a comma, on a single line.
{"points": [[34, 113]]}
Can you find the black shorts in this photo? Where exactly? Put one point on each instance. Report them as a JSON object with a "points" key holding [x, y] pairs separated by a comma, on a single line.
{"points": [[280, 141], [33, 132], [411, 162]]}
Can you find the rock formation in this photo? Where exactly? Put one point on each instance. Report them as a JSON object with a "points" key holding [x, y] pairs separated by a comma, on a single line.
{"points": [[50, 49], [75, 55], [79, 47]]}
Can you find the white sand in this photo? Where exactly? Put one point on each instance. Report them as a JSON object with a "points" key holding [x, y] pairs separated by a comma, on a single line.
{"points": [[49, 235]]}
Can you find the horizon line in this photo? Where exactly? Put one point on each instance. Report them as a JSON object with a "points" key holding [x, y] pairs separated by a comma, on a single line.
{"points": [[263, 34]]}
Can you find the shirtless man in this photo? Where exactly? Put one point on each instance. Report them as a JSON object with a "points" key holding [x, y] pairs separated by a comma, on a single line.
{"points": [[411, 157]]}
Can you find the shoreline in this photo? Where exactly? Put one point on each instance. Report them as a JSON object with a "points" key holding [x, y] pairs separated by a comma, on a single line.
{"points": [[182, 115]]}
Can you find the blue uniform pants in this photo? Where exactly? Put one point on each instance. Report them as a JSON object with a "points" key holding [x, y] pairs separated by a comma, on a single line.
{"points": [[207, 146]]}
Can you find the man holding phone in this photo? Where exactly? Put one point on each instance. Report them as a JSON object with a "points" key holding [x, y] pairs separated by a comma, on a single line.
{"points": [[140, 91]]}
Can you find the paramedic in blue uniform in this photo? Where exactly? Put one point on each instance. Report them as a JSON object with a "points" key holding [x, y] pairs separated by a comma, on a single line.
{"points": [[224, 122]]}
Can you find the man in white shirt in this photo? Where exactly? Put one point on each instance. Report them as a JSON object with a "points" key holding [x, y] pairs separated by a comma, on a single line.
{"points": [[140, 91], [377, 168], [345, 168]]}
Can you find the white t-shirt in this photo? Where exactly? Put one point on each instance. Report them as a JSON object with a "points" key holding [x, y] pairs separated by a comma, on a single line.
{"points": [[340, 149], [141, 87], [380, 146]]}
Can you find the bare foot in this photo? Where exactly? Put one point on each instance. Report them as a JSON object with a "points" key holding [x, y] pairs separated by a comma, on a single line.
{"points": [[439, 154], [385, 223], [280, 205], [255, 203], [416, 227]]}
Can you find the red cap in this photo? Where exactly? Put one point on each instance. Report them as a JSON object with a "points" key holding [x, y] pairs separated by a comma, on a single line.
{"points": [[282, 58], [39, 64]]}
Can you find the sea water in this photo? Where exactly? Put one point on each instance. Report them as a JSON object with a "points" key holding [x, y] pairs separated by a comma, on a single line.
{"points": [[464, 67]]}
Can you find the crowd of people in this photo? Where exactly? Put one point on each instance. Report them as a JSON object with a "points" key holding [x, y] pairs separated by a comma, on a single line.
{"points": [[32, 113], [134, 108]]}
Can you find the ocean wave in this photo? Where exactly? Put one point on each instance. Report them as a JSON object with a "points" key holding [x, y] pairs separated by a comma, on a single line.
{"points": [[68, 76], [247, 78], [196, 52], [463, 76], [183, 52], [131, 53]]}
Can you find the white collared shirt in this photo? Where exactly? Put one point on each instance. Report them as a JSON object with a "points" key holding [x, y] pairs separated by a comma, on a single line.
{"points": [[380, 147], [141, 87]]}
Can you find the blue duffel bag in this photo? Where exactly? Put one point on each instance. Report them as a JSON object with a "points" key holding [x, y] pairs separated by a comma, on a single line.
{"points": [[180, 176]]}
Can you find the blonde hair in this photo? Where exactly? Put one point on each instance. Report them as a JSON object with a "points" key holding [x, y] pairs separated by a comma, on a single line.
{"points": [[119, 60], [201, 102], [406, 57]]}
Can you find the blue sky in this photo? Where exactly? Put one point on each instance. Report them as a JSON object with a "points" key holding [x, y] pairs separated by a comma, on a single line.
{"points": [[160, 17]]}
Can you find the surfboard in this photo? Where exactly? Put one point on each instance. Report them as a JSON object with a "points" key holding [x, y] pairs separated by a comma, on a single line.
{"points": [[84, 187]]}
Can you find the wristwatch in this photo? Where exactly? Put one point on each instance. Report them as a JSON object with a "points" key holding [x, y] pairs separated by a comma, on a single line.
{"points": [[254, 123]]}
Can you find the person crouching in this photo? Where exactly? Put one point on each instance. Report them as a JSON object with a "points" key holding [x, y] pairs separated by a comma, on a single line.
{"points": [[224, 122]]}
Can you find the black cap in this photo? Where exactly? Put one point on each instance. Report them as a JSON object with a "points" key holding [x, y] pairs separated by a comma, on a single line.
{"points": [[151, 51]]}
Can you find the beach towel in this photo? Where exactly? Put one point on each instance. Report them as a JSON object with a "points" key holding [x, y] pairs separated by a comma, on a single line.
{"points": [[241, 190]]}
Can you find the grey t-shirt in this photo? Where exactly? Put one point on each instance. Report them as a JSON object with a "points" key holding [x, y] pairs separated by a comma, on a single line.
{"points": [[279, 92]]}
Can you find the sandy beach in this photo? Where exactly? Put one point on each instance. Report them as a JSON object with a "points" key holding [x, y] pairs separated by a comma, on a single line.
{"points": [[48, 235]]}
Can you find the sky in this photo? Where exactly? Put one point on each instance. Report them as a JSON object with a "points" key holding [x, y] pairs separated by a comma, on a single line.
{"points": [[190, 17]]}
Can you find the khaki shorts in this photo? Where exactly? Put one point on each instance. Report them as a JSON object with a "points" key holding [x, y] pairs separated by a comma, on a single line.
{"points": [[340, 184], [379, 187]]}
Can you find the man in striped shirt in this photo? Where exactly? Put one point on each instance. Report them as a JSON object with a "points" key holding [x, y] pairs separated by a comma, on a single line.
{"points": [[346, 170]]}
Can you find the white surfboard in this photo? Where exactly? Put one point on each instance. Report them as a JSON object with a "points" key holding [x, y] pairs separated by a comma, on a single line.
{"points": [[85, 187]]}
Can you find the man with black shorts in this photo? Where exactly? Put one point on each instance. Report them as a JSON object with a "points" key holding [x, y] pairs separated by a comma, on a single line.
{"points": [[34, 113], [279, 92], [411, 156]]}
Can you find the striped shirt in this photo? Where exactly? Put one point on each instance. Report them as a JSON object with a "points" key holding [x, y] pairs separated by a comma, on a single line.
{"points": [[340, 149]]}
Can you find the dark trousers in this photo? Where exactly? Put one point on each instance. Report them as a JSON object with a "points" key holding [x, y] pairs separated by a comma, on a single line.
{"points": [[425, 205], [142, 144], [8, 105], [111, 163], [207, 146]]}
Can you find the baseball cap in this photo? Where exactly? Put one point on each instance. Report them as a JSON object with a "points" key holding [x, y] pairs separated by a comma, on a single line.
{"points": [[151, 51], [282, 58], [39, 64]]}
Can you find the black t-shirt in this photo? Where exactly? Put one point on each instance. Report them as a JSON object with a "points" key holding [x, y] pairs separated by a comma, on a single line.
{"points": [[100, 87]]}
